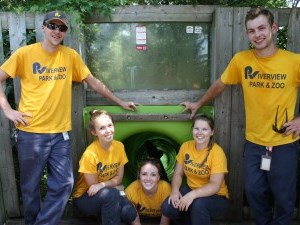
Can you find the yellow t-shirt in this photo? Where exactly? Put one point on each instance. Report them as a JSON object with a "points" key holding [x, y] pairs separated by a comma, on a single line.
{"points": [[268, 83], [148, 205], [198, 175], [46, 85], [95, 160]]}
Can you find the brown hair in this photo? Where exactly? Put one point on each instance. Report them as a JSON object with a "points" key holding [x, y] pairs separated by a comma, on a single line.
{"points": [[153, 161], [211, 124], [96, 113], [255, 12]]}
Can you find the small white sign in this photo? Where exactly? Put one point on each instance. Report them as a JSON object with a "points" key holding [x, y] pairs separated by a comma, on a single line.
{"points": [[198, 29], [189, 29], [140, 35]]}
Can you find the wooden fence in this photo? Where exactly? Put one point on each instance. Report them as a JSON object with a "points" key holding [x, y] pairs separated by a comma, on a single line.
{"points": [[228, 37]]}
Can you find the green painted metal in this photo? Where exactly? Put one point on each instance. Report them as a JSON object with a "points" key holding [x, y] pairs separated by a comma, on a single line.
{"points": [[180, 131]]}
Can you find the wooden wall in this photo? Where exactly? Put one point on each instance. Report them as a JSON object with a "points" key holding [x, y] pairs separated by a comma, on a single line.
{"points": [[228, 37]]}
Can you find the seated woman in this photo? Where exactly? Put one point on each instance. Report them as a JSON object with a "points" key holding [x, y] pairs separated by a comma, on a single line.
{"points": [[204, 164], [101, 170], [148, 192]]}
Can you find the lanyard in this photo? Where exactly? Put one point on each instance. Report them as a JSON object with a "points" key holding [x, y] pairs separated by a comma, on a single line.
{"points": [[269, 149]]}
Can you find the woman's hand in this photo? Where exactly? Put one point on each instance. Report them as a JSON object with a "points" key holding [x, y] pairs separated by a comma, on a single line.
{"points": [[94, 188], [186, 201], [174, 198]]}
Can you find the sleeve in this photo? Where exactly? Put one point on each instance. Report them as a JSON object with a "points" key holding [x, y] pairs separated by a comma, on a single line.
{"points": [[88, 163], [219, 161], [232, 73], [13, 65], [180, 155], [80, 70], [124, 158], [131, 191], [166, 190], [298, 80]]}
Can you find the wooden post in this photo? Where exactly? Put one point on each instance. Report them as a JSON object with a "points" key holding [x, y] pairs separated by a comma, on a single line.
{"points": [[78, 99], [222, 52], [3, 129], [294, 45]]}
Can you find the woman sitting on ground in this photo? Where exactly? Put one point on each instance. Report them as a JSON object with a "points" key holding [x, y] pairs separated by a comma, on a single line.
{"points": [[148, 192], [204, 164], [101, 170]]}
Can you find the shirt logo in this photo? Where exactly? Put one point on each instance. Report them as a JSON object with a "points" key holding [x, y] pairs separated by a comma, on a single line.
{"points": [[264, 80], [37, 68], [187, 159], [248, 72], [101, 167], [57, 14], [49, 74], [140, 208]]}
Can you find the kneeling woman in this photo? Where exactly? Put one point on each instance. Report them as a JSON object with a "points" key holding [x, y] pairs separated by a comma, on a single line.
{"points": [[148, 192], [101, 170], [204, 164]]}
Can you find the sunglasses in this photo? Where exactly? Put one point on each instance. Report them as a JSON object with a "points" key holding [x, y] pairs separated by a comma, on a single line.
{"points": [[53, 26], [282, 129]]}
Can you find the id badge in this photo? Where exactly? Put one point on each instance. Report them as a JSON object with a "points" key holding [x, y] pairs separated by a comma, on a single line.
{"points": [[265, 162], [66, 136]]}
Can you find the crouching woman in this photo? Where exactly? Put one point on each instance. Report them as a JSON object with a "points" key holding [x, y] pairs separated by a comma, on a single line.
{"points": [[204, 164], [101, 170]]}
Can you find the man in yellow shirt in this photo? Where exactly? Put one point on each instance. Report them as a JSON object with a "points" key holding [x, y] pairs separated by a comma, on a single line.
{"points": [[270, 79], [43, 119]]}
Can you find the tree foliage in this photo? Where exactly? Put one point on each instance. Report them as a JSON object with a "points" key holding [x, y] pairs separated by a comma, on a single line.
{"points": [[86, 7]]}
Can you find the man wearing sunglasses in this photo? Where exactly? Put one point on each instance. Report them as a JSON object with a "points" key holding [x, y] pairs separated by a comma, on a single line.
{"points": [[43, 119], [270, 80]]}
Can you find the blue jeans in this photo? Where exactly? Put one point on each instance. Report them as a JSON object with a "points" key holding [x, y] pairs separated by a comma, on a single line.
{"points": [[108, 206], [35, 152], [278, 185], [200, 211]]}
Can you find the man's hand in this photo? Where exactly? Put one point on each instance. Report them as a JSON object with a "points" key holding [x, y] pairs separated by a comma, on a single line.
{"points": [[129, 105], [16, 117], [292, 127], [192, 106]]}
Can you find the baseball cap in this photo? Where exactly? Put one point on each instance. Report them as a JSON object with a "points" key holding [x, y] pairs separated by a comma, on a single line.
{"points": [[56, 15]]}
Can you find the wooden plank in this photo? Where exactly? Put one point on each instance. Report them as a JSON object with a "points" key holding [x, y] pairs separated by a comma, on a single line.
{"points": [[148, 97], [7, 171], [77, 134], [28, 19], [38, 22], [237, 136], [4, 133], [17, 29], [294, 45], [2, 208], [17, 38], [1, 46], [159, 14], [222, 54], [74, 39]]}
